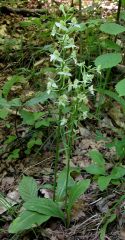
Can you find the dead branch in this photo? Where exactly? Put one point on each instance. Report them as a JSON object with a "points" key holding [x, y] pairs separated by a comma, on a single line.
{"points": [[22, 11]]}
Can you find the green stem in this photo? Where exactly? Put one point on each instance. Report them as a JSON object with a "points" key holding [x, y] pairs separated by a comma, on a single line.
{"points": [[57, 155], [107, 78], [68, 156], [80, 20]]}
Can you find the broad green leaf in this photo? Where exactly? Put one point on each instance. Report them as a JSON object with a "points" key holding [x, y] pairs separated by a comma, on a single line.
{"points": [[31, 143], [120, 147], [122, 14], [103, 182], [10, 139], [40, 98], [15, 102], [108, 60], [38, 141], [112, 28], [8, 85], [95, 169], [30, 117], [97, 157], [37, 22], [4, 113], [27, 220], [14, 154], [43, 123], [44, 206], [113, 95], [26, 23], [93, 22], [109, 44], [28, 188], [82, 27], [115, 182], [76, 191], [4, 203], [104, 227], [61, 184], [117, 172], [120, 87], [3, 103]]}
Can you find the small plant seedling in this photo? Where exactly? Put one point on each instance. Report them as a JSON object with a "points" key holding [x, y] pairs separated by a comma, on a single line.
{"points": [[98, 169]]}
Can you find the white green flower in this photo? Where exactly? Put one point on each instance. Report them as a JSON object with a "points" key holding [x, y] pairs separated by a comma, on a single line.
{"points": [[63, 100], [87, 78], [81, 65], [51, 85], [53, 33], [75, 84], [70, 44], [63, 121], [91, 89], [65, 72], [82, 98], [73, 56], [56, 56], [85, 114], [74, 20], [70, 85], [61, 25]]}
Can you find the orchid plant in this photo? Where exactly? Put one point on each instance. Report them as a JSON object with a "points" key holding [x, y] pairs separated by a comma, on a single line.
{"points": [[72, 85]]}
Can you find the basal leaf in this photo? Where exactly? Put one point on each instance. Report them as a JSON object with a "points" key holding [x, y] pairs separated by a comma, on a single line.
{"points": [[10, 139], [26, 23], [108, 60], [30, 117], [112, 28], [103, 182], [114, 96], [40, 97], [120, 87], [27, 220], [109, 44], [15, 102], [3, 103], [8, 85], [28, 188], [44, 206], [61, 184], [122, 14], [97, 157], [4, 113], [95, 169], [76, 191], [117, 172], [43, 123]]}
